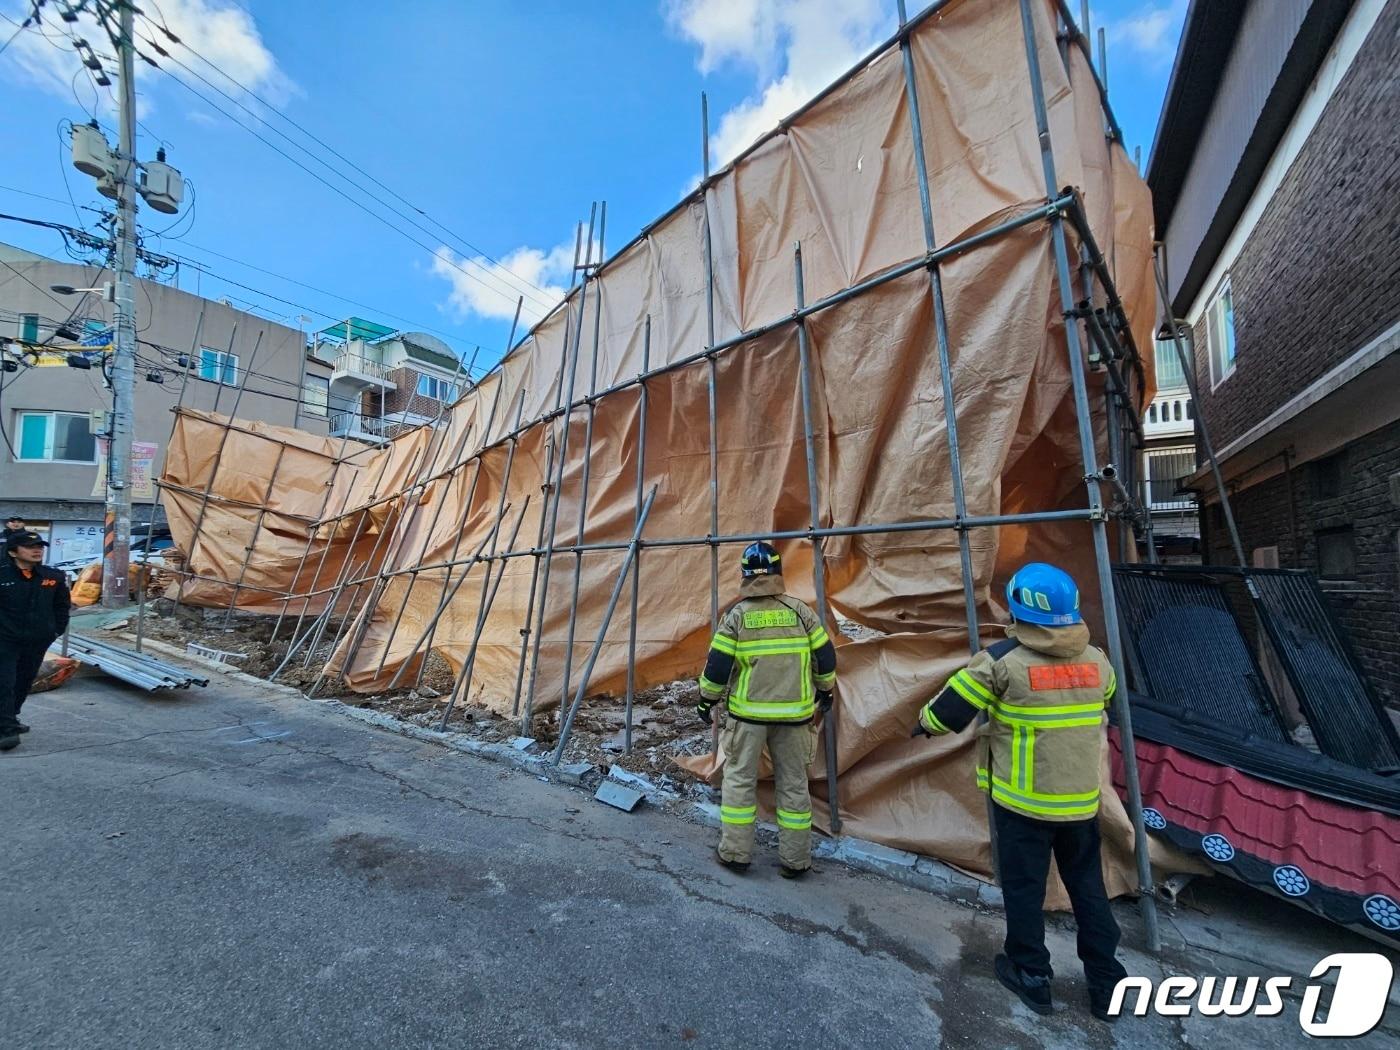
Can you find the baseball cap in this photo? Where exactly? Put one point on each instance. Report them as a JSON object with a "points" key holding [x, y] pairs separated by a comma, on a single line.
{"points": [[25, 539]]}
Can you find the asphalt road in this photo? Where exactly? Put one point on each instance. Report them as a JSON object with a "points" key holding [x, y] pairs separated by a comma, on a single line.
{"points": [[227, 868]]}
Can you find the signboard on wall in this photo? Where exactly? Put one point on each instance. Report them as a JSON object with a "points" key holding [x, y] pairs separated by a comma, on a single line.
{"points": [[74, 541], [143, 460]]}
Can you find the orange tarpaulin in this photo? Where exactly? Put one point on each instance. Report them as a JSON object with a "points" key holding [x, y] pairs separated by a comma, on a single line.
{"points": [[841, 180]]}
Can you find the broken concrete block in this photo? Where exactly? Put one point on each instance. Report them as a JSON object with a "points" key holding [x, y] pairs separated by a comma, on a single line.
{"points": [[573, 772], [623, 776], [989, 895], [522, 743], [707, 813], [619, 796]]}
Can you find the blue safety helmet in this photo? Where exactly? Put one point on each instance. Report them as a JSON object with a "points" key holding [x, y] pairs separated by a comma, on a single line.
{"points": [[1043, 594], [760, 559]]}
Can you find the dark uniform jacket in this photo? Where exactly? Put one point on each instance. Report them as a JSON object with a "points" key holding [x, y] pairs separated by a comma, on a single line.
{"points": [[34, 608]]}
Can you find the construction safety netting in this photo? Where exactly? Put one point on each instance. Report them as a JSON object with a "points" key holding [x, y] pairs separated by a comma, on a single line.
{"points": [[437, 540]]}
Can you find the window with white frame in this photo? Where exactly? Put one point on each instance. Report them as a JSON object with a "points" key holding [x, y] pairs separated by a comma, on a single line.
{"points": [[217, 366], [1220, 333], [1168, 362], [316, 395], [55, 437], [1167, 470], [437, 389]]}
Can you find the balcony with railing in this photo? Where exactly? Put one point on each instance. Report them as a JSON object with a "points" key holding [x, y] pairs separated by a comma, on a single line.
{"points": [[1170, 415], [358, 426], [356, 370]]}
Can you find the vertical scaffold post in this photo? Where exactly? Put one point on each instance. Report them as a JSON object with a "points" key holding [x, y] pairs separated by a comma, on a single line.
{"points": [[197, 533], [642, 397], [587, 455], [463, 684], [1089, 456], [252, 540], [425, 639], [426, 642], [940, 328], [566, 730], [712, 367], [413, 499], [804, 353], [565, 422], [455, 459]]}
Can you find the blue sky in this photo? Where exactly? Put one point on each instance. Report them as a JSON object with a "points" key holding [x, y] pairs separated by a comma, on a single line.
{"points": [[500, 121]]}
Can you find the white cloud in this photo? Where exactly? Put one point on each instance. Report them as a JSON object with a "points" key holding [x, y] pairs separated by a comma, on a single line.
{"points": [[1147, 34], [795, 47], [224, 34], [483, 288]]}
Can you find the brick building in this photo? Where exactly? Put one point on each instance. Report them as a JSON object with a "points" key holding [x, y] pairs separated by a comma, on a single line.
{"points": [[383, 380], [1276, 179]]}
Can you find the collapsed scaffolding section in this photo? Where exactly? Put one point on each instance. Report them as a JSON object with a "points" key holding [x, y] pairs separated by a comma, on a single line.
{"points": [[893, 337]]}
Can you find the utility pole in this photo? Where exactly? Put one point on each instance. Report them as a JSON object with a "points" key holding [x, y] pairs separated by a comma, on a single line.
{"points": [[116, 546]]}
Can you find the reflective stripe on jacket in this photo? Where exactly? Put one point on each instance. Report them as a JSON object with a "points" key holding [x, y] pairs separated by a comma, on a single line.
{"points": [[771, 655], [1044, 692]]}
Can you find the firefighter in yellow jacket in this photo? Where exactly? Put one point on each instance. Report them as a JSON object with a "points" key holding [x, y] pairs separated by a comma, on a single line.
{"points": [[1044, 690], [773, 661]]}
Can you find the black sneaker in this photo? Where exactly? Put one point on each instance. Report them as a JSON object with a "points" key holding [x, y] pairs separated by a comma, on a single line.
{"points": [[739, 866], [1031, 989], [8, 743], [793, 873]]}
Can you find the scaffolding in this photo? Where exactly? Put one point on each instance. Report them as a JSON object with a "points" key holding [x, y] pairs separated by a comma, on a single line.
{"points": [[345, 579]]}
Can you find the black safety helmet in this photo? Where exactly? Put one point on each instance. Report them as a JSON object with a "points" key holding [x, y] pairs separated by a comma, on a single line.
{"points": [[760, 559]]}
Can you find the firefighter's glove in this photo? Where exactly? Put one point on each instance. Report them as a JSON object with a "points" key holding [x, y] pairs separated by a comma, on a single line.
{"points": [[824, 700], [928, 725], [918, 730], [703, 709]]}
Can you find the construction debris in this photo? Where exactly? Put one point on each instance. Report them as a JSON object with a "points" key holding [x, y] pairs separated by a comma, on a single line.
{"points": [[619, 796], [139, 669]]}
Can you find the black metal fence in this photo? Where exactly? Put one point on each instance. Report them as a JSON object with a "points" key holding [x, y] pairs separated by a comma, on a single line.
{"points": [[1239, 647]]}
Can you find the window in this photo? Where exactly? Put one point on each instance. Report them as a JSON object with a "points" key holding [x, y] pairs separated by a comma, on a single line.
{"points": [[1167, 470], [437, 389], [1327, 475], [316, 395], [29, 328], [55, 437], [218, 366], [1336, 553], [1169, 373], [1220, 334]]}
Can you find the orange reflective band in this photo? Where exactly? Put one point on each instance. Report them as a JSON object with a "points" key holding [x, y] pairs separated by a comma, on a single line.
{"points": [[1065, 676]]}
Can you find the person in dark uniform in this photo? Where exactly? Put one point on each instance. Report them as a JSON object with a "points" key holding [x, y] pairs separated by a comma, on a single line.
{"points": [[14, 525], [34, 609]]}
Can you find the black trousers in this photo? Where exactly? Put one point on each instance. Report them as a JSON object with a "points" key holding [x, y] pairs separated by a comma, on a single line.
{"points": [[1024, 846], [19, 665]]}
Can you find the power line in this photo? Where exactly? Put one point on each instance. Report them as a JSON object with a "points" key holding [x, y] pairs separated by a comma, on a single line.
{"points": [[544, 304], [199, 267], [326, 146]]}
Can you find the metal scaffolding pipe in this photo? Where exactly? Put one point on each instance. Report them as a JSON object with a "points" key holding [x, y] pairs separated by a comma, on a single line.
{"points": [[568, 727], [636, 517], [1089, 456], [804, 353]]}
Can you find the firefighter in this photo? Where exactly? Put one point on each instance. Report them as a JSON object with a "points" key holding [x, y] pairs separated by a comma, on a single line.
{"points": [[1044, 690], [774, 663], [33, 612]]}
